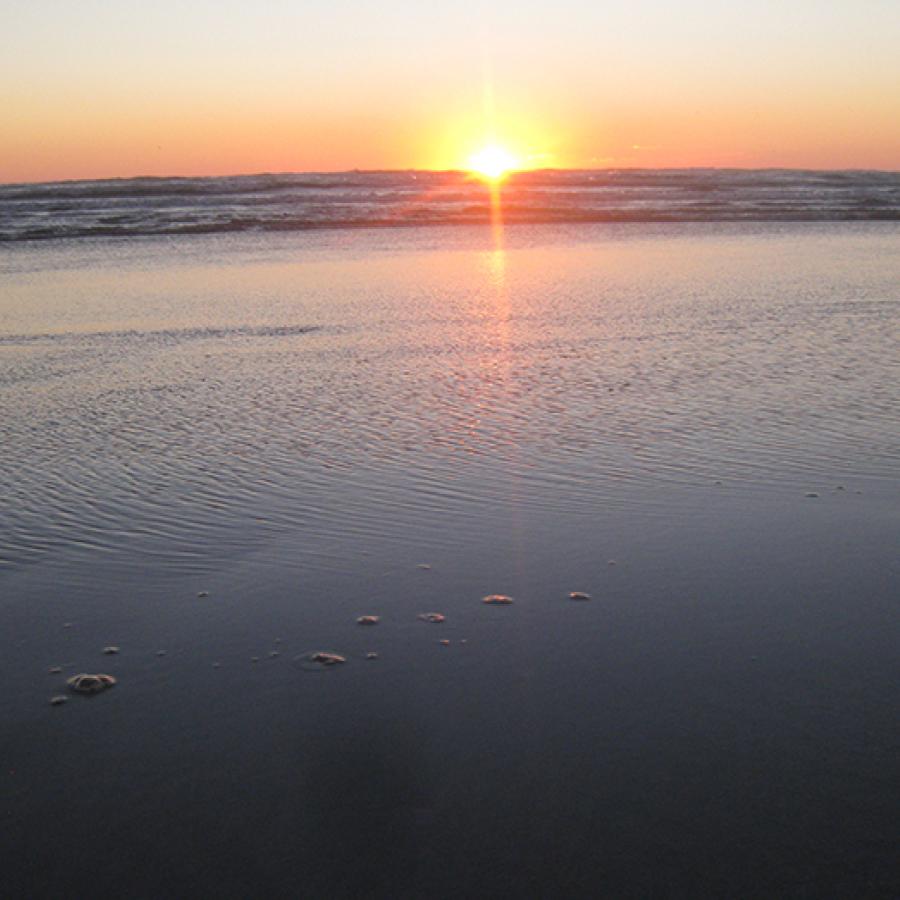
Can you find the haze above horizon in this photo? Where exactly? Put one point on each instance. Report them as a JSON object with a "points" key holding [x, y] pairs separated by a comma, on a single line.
{"points": [[98, 91]]}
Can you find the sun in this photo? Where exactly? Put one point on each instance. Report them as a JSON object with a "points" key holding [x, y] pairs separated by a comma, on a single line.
{"points": [[492, 162]]}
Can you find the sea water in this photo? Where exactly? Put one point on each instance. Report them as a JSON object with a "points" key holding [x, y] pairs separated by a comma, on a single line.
{"points": [[129, 207]]}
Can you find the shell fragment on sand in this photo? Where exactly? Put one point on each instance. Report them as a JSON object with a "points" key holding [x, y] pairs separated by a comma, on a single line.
{"points": [[110, 651], [90, 684], [371, 655], [435, 618], [497, 599], [368, 620], [327, 659], [58, 700], [579, 595]]}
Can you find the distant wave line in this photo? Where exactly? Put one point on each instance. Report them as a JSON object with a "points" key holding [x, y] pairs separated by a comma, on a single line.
{"points": [[170, 334], [266, 203], [325, 224]]}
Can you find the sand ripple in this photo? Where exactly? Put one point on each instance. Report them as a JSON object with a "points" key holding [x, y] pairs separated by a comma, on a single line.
{"points": [[423, 388]]}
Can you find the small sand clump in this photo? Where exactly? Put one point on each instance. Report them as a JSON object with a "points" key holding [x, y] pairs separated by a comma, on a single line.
{"points": [[368, 620], [90, 684], [435, 618], [58, 700], [579, 595], [497, 600], [110, 651], [327, 659]]}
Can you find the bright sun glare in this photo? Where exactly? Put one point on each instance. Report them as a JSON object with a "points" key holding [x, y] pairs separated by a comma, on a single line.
{"points": [[492, 162]]}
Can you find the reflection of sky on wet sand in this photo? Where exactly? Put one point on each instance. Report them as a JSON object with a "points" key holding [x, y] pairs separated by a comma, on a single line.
{"points": [[243, 373], [290, 426]]}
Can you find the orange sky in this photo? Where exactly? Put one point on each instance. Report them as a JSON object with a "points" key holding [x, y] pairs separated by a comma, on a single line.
{"points": [[96, 90]]}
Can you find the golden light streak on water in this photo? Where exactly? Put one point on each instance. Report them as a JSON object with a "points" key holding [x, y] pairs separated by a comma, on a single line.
{"points": [[498, 368]]}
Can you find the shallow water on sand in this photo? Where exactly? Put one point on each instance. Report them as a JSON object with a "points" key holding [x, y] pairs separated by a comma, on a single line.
{"points": [[294, 423]]}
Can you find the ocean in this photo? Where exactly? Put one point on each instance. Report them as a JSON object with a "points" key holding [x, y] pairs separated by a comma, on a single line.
{"points": [[146, 206], [234, 421]]}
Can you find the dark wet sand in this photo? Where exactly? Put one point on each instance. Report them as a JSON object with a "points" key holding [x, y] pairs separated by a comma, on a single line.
{"points": [[719, 720], [725, 708]]}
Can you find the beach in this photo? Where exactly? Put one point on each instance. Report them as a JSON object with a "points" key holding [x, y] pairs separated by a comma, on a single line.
{"points": [[221, 449]]}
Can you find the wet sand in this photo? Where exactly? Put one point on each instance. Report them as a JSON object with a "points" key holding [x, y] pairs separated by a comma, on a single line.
{"points": [[718, 720]]}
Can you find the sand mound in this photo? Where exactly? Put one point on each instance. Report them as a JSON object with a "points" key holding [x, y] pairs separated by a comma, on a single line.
{"points": [[90, 684]]}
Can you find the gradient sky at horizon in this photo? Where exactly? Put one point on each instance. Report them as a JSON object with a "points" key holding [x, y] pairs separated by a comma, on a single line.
{"points": [[103, 89]]}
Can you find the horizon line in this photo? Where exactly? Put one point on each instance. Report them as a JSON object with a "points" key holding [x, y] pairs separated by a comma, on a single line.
{"points": [[453, 171]]}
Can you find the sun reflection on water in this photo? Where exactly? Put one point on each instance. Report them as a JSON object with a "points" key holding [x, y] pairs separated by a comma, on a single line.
{"points": [[498, 368]]}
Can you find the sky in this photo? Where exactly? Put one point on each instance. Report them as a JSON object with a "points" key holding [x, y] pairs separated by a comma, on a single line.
{"points": [[111, 88]]}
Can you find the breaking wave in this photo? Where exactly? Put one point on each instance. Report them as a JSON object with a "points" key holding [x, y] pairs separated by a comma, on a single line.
{"points": [[297, 202]]}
